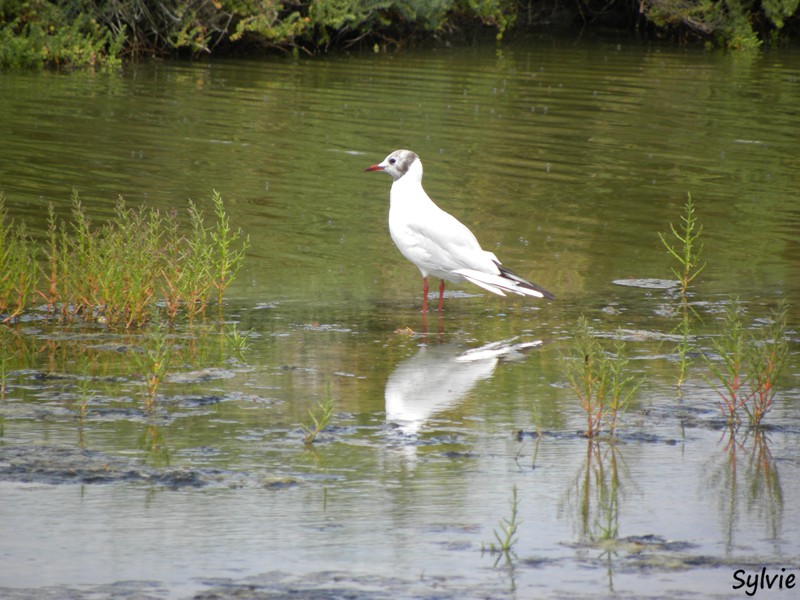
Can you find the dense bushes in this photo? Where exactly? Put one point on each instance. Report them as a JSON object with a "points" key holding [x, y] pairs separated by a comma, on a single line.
{"points": [[739, 24], [96, 32], [39, 32], [92, 32]]}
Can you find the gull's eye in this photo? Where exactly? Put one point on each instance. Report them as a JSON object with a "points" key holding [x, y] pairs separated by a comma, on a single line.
{"points": [[392, 161]]}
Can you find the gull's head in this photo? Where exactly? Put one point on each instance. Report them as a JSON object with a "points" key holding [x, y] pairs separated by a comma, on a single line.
{"points": [[398, 163]]}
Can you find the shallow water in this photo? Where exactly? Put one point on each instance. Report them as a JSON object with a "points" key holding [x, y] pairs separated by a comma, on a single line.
{"points": [[566, 159]]}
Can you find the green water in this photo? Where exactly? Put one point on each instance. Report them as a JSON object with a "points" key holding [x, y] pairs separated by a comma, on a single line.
{"points": [[566, 159]]}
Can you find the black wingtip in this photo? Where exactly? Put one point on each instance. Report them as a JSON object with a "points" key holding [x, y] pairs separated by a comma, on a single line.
{"points": [[524, 282]]}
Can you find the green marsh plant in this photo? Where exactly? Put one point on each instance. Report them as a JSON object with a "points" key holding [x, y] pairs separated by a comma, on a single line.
{"points": [[238, 340], [137, 265], [599, 379], [18, 267], [186, 268], [228, 250], [506, 535], [155, 361], [321, 417], [51, 295], [749, 365], [195, 274], [730, 374], [766, 358], [172, 254], [127, 268], [78, 253], [686, 248]]}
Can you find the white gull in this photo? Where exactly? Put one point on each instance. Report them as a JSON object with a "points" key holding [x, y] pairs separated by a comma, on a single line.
{"points": [[438, 243]]}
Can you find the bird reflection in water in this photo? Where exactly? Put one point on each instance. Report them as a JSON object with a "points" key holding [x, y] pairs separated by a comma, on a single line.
{"points": [[438, 377]]}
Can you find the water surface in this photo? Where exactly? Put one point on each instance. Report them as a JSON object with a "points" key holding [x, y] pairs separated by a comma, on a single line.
{"points": [[566, 159]]}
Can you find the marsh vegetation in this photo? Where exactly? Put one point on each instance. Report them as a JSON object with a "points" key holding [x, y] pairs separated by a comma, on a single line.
{"points": [[135, 267]]}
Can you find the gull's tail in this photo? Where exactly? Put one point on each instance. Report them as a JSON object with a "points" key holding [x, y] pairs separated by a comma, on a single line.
{"points": [[506, 281]]}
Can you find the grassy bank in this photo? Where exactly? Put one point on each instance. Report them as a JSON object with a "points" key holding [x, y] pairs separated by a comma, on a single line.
{"points": [[90, 33]]}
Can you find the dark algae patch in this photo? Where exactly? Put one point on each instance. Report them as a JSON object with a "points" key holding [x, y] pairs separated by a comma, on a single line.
{"points": [[70, 465]]}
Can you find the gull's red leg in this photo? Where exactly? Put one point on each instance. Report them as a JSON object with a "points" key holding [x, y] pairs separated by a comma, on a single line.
{"points": [[424, 295], [441, 293]]}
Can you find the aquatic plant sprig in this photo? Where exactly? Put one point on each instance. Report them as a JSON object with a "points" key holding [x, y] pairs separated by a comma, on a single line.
{"points": [[226, 258], [622, 385], [766, 359], [196, 278], [52, 295], [130, 245], [730, 347], [18, 267], [186, 269], [586, 371], [599, 379], [79, 262], [507, 532], [686, 249], [155, 361], [173, 255], [238, 340], [321, 417], [748, 367]]}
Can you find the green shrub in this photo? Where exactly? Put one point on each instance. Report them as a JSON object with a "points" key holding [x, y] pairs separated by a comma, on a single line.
{"points": [[89, 33], [730, 23], [37, 32]]}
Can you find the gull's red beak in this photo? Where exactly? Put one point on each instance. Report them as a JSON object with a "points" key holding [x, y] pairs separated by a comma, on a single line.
{"points": [[374, 168]]}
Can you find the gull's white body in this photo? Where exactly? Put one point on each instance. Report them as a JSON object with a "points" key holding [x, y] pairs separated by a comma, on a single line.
{"points": [[438, 243], [435, 241]]}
